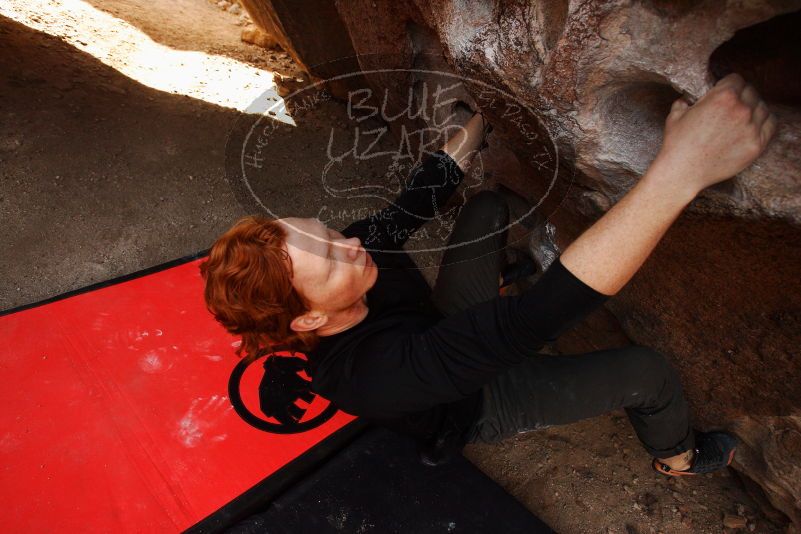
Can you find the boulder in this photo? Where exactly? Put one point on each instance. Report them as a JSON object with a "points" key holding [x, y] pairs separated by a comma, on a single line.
{"points": [[584, 90], [312, 33]]}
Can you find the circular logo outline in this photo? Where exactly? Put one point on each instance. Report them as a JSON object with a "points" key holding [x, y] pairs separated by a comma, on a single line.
{"points": [[235, 397], [243, 178]]}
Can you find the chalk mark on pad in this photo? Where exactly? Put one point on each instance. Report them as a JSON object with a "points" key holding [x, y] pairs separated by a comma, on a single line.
{"points": [[201, 418]]}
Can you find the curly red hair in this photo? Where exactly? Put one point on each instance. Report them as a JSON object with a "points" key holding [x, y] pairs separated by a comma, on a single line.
{"points": [[249, 290]]}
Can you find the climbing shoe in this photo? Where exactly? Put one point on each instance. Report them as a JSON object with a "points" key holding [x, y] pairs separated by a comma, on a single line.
{"points": [[713, 451]]}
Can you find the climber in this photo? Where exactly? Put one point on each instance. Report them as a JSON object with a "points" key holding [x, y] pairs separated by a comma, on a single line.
{"points": [[460, 364]]}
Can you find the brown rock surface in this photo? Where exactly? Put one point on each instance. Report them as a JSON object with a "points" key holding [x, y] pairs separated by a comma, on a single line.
{"points": [[734, 521], [259, 37], [721, 295], [312, 33]]}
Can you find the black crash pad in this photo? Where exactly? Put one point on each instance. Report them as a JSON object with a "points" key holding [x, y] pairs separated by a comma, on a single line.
{"points": [[378, 484]]}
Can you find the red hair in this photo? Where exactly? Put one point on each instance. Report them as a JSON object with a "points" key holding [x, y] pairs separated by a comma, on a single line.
{"points": [[249, 290]]}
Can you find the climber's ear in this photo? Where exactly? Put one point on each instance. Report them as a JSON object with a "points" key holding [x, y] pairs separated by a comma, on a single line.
{"points": [[311, 320]]}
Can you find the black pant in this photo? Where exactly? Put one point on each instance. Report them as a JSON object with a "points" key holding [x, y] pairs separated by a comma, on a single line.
{"points": [[554, 390]]}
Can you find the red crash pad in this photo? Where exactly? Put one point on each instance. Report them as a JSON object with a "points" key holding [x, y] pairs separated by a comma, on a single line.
{"points": [[116, 414]]}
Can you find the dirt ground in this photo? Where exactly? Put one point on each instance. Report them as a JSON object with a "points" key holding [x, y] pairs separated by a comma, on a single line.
{"points": [[101, 175]]}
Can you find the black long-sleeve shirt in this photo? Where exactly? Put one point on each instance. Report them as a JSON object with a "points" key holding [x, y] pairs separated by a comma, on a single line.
{"points": [[406, 365]]}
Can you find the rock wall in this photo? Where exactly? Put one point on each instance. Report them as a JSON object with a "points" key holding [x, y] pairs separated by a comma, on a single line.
{"points": [[721, 294]]}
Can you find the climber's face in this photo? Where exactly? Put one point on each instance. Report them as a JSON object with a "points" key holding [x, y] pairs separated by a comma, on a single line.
{"points": [[333, 272]]}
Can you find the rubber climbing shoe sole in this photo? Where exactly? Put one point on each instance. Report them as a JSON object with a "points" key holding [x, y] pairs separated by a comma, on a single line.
{"points": [[713, 451]]}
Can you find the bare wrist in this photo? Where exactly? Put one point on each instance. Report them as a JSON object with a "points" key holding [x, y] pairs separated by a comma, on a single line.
{"points": [[672, 179]]}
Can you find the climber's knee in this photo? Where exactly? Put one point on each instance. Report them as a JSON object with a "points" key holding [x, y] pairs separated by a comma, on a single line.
{"points": [[648, 372], [490, 207]]}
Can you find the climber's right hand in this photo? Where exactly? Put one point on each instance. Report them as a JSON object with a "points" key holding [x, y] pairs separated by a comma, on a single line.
{"points": [[718, 136]]}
